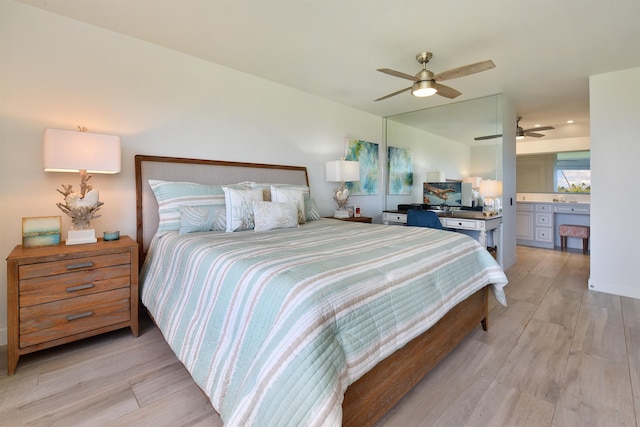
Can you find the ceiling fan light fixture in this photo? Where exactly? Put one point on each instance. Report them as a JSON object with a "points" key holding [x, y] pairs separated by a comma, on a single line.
{"points": [[423, 88]]}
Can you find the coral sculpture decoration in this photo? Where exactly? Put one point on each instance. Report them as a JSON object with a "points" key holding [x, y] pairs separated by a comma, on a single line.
{"points": [[81, 207]]}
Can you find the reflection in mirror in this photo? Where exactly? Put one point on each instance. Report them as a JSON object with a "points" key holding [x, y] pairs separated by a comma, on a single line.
{"points": [[442, 138], [556, 172]]}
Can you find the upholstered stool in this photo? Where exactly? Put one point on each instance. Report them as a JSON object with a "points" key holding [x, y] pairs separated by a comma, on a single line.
{"points": [[579, 231]]}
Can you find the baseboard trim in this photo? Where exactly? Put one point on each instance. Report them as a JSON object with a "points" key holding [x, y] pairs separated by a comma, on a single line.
{"points": [[629, 291]]}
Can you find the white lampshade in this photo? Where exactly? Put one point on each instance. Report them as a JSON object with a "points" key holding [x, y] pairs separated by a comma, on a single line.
{"points": [[343, 170], [72, 151], [491, 188], [474, 181], [435, 176]]}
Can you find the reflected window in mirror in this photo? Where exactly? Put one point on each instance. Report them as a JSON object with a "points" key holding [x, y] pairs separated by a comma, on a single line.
{"points": [[573, 172]]}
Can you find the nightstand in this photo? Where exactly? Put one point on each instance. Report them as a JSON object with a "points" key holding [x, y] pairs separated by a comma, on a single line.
{"points": [[366, 219], [58, 294]]}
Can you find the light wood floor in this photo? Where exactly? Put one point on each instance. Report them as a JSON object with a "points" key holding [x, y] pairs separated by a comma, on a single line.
{"points": [[558, 355]]}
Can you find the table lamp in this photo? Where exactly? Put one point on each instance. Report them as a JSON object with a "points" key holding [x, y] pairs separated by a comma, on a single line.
{"points": [[490, 190], [342, 171], [83, 152]]}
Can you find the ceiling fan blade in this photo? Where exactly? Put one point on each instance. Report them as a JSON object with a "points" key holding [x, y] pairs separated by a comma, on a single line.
{"points": [[446, 91], [533, 134], [481, 138], [397, 74], [393, 94], [465, 70], [539, 128]]}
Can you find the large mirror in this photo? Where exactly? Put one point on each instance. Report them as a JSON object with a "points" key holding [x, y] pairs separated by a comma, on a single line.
{"points": [[566, 172], [443, 139]]}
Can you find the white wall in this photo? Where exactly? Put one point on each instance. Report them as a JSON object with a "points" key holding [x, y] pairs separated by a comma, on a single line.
{"points": [[615, 109], [60, 73]]}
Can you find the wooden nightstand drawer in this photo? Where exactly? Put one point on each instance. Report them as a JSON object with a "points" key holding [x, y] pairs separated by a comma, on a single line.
{"points": [[40, 290], [46, 322], [73, 264]]}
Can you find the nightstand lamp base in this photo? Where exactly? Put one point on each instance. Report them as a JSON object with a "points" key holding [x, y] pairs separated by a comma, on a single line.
{"points": [[79, 237], [341, 213]]}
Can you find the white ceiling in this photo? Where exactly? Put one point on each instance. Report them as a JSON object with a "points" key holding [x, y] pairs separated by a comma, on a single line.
{"points": [[544, 50]]}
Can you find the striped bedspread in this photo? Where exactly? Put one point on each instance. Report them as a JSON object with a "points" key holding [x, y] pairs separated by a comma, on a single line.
{"points": [[274, 326]]}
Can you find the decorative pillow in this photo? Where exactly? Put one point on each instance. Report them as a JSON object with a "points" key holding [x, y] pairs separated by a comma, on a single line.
{"points": [[239, 207], [266, 188], [274, 215], [311, 211], [293, 195], [171, 195], [304, 188], [194, 219]]}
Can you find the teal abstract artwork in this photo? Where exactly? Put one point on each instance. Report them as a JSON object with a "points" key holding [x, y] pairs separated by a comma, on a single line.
{"points": [[367, 154], [400, 166]]}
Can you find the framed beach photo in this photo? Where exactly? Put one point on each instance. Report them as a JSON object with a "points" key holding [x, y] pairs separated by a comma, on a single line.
{"points": [[41, 231]]}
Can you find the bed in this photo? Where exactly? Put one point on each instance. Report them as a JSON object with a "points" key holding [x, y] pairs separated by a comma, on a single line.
{"points": [[326, 323]]}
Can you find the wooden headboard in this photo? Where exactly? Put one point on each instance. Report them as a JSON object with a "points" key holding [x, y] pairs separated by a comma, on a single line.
{"points": [[202, 172]]}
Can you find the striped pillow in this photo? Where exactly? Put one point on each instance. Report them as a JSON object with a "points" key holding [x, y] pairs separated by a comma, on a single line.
{"points": [[171, 195]]}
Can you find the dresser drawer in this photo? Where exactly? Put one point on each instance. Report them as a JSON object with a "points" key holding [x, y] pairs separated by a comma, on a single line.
{"points": [[543, 219], [395, 217], [75, 264], [41, 290], [544, 234], [460, 223], [47, 322], [544, 208], [583, 209]]}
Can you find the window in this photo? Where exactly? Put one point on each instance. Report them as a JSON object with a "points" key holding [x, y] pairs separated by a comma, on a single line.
{"points": [[573, 172]]}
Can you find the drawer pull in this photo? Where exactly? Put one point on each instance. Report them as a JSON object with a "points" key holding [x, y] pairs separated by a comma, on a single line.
{"points": [[79, 315], [80, 287], [81, 265]]}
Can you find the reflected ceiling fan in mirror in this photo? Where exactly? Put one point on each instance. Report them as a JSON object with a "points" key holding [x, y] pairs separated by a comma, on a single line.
{"points": [[520, 132], [425, 82]]}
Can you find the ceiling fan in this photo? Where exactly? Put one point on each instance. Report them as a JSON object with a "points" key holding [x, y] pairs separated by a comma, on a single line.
{"points": [[520, 132], [425, 82]]}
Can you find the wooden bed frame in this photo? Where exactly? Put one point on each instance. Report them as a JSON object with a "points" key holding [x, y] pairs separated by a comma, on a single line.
{"points": [[369, 398]]}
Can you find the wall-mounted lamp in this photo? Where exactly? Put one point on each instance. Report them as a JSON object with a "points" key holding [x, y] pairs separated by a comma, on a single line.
{"points": [[83, 152], [342, 171]]}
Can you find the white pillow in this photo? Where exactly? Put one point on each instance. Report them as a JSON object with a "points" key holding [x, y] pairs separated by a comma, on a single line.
{"points": [[274, 215], [293, 195], [239, 207]]}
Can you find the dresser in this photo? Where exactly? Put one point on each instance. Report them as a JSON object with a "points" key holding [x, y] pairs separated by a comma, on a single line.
{"points": [[58, 294]]}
